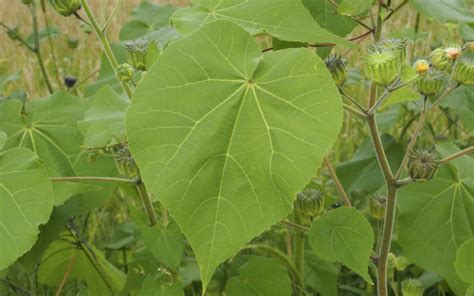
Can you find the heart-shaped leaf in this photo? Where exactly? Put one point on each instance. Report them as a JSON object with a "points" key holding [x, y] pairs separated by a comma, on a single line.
{"points": [[225, 136]]}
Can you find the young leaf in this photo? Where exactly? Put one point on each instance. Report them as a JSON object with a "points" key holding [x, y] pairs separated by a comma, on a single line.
{"points": [[404, 94], [226, 137], [104, 121], [435, 217], [461, 100], [260, 276], [286, 20], [344, 235], [26, 201], [166, 244]]}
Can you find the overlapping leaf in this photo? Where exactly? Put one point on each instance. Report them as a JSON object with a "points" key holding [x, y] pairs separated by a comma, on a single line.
{"points": [[327, 17], [226, 137], [346, 236], [286, 20], [464, 263], [435, 218], [26, 201], [165, 243], [452, 10]]}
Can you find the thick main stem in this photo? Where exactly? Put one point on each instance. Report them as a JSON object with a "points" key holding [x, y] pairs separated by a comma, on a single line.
{"points": [[105, 45]]}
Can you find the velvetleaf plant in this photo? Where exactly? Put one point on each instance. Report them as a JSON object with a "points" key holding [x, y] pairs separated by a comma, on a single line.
{"points": [[199, 161]]}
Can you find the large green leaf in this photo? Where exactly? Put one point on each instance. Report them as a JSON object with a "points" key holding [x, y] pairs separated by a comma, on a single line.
{"points": [[152, 287], [104, 123], [461, 100], [3, 139], [346, 236], [226, 137], [26, 201], [452, 10], [464, 263], [165, 243], [57, 259], [286, 20], [260, 276], [435, 218]]}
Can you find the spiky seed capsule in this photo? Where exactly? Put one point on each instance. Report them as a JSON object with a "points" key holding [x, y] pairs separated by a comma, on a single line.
{"points": [[422, 164], [377, 206], [66, 7], [439, 59], [453, 52], [137, 51], [464, 71], [72, 42], [421, 66], [310, 202], [124, 162], [337, 67], [382, 67], [412, 287], [397, 46], [125, 72], [431, 82]]}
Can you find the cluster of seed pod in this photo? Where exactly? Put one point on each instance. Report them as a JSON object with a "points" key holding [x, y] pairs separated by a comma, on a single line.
{"points": [[385, 60]]}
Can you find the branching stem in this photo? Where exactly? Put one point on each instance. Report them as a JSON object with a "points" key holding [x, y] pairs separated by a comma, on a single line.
{"points": [[337, 182]]}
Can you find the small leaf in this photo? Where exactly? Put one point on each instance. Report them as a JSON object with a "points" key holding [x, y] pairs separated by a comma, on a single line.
{"points": [[26, 201], [260, 276], [123, 236], [286, 20], [166, 244], [3, 139], [346, 236], [152, 287], [446, 10], [353, 7], [321, 275], [326, 16], [404, 94], [464, 263], [104, 122], [51, 31]]}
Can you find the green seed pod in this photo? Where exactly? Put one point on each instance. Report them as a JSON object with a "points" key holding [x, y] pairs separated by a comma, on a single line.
{"points": [[72, 42], [125, 72], [66, 7], [124, 162], [439, 59], [377, 206], [412, 287], [337, 68], [391, 265], [382, 67], [397, 46], [310, 202], [421, 66], [137, 51], [431, 82], [422, 164], [464, 71]]}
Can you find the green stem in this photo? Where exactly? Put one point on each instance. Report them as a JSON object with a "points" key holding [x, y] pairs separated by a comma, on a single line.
{"points": [[150, 210], [468, 150], [299, 240], [337, 182], [37, 50], [80, 179], [105, 45], [417, 28], [354, 111], [50, 42]]}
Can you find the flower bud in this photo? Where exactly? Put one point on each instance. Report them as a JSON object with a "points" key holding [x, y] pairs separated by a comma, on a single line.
{"points": [[137, 51], [397, 46], [124, 162], [464, 71], [422, 66], [401, 263], [382, 67], [125, 72], [14, 33], [66, 7], [377, 207], [453, 52], [439, 59], [422, 164], [310, 202], [72, 42], [431, 82], [337, 68], [412, 287]]}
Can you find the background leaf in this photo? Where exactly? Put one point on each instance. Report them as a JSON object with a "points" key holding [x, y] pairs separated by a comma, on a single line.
{"points": [[327, 17], [461, 100], [354, 7], [165, 243], [26, 201], [225, 138], [344, 235], [446, 10], [151, 287], [464, 263]]}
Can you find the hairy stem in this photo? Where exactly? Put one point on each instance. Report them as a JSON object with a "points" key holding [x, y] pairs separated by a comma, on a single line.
{"points": [[150, 210], [337, 182], [105, 45]]}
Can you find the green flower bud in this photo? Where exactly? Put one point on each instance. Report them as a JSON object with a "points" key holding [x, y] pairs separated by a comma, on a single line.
{"points": [[125, 72], [401, 263], [464, 71], [337, 68], [468, 46], [431, 82], [86, 28], [137, 51], [124, 162], [397, 46], [391, 265], [382, 67], [310, 202], [72, 42], [377, 206], [412, 287], [66, 7], [439, 59], [422, 164], [14, 33], [421, 66]]}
